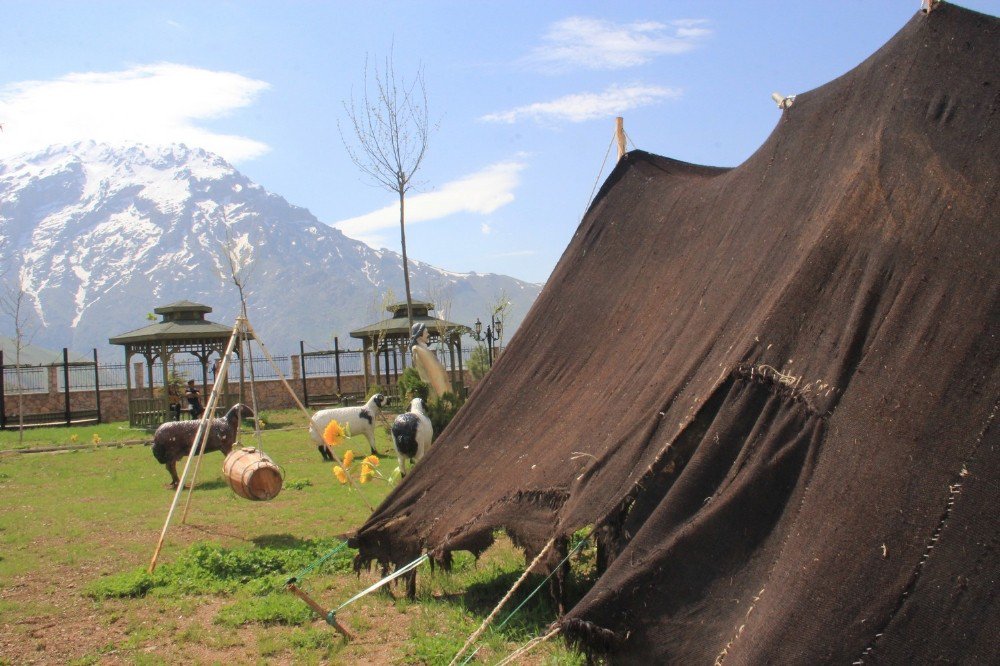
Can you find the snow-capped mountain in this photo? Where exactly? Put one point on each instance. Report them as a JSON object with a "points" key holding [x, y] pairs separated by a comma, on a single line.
{"points": [[100, 236]]}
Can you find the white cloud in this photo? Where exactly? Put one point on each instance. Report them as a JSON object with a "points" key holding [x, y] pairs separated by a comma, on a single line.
{"points": [[587, 106], [152, 104], [486, 229], [590, 43], [479, 193]]}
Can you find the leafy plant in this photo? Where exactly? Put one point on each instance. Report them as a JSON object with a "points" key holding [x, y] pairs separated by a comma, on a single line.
{"points": [[412, 386], [443, 410], [270, 609], [207, 568], [479, 362]]}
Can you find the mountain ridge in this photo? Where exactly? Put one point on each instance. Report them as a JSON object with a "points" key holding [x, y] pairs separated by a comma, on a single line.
{"points": [[102, 235]]}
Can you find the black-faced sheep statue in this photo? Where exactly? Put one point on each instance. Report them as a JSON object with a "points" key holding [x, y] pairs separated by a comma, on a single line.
{"points": [[412, 432], [172, 441]]}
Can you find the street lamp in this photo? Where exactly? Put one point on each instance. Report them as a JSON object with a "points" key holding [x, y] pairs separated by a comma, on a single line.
{"points": [[493, 332]]}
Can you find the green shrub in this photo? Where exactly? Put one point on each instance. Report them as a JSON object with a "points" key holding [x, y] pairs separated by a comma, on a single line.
{"points": [[130, 584], [442, 411], [479, 362], [206, 568], [412, 386], [270, 609]]}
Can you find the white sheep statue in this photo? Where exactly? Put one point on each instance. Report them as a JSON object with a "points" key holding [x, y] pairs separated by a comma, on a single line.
{"points": [[357, 420], [412, 433]]}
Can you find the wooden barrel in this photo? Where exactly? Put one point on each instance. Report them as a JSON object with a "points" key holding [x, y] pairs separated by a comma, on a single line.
{"points": [[251, 474]]}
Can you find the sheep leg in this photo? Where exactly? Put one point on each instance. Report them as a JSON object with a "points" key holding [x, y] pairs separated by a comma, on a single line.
{"points": [[325, 452], [411, 584], [402, 465], [371, 442], [172, 468]]}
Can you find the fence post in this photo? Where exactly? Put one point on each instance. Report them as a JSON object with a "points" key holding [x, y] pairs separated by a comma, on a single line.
{"points": [[97, 386], [336, 361], [3, 405], [69, 419], [386, 355], [302, 362]]}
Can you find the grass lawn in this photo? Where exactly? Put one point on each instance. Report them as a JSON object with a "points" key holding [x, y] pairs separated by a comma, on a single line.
{"points": [[78, 528]]}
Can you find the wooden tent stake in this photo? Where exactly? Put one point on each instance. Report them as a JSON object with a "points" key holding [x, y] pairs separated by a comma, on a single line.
{"points": [[330, 618]]}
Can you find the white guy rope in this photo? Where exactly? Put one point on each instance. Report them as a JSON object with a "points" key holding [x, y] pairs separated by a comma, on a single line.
{"points": [[530, 645], [489, 618]]}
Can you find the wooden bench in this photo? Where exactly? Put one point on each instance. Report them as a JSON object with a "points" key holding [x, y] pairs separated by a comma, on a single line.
{"points": [[334, 400]]}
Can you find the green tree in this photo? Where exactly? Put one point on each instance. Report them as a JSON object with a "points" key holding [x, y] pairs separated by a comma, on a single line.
{"points": [[479, 362]]}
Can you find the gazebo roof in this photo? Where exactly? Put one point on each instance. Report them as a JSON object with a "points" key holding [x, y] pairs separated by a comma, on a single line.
{"points": [[183, 321], [397, 326], [182, 306]]}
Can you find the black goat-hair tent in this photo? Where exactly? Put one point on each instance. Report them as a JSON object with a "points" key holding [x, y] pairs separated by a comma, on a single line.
{"points": [[771, 388]]}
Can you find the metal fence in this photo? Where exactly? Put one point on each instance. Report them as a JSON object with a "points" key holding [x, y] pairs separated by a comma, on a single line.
{"points": [[35, 379]]}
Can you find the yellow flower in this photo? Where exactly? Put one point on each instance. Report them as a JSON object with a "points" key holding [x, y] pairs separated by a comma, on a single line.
{"points": [[339, 472], [334, 434], [262, 424], [74, 438], [366, 469], [365, 477], [372, 460], [96, 438], [348, 458]]}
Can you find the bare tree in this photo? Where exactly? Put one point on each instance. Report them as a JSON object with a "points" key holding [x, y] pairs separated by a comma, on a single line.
{"points": [[440, 294], [238, 253], [239, 258], [501, 308], [390, 128], [14, 304]]}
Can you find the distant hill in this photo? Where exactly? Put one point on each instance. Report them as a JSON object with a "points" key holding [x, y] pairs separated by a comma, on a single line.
{"points": [[103, 235], [35, 355]]}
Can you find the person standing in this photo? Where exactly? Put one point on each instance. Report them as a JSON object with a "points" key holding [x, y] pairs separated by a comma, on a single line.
{"points": [[193, 396]]}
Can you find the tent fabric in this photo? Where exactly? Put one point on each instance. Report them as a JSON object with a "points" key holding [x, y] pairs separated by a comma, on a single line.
{"points": [[772, 389]]}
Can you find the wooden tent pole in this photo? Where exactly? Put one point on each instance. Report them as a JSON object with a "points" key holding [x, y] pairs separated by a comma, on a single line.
{"points": [[620, 136], [202, 429], [275, 367], [213, 402]]}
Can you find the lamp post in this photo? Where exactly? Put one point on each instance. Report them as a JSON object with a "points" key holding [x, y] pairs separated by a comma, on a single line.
{"points": [[493, 332]]}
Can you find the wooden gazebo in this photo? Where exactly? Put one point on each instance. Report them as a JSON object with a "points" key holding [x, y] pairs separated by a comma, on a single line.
{"points": [[183, 330], [387, 342]]}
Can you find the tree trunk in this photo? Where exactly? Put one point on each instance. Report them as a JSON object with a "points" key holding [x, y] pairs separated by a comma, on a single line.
{"points": [[406, 268]]}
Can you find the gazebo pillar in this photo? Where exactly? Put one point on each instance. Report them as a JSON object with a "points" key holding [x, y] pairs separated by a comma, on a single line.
{"points": [[451, 357], [165, 356], [461, 370], [364, 356], [150, 357], [128, 384]]}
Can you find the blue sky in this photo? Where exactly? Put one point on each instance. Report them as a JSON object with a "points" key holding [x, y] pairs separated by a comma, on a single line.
{"points": [[524, 93]]}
